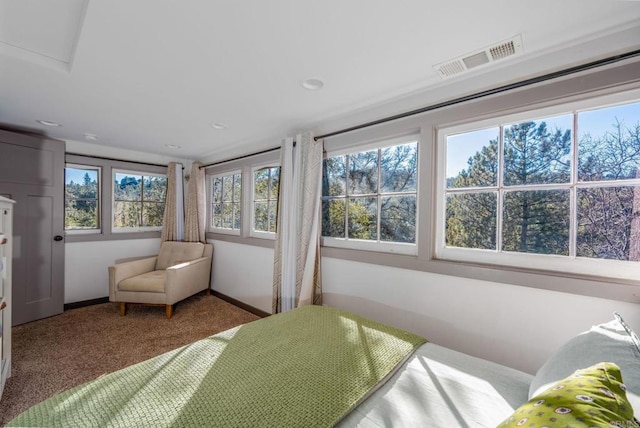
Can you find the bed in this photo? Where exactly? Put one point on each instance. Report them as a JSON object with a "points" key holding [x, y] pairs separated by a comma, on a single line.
{"points": [[320, 366]]}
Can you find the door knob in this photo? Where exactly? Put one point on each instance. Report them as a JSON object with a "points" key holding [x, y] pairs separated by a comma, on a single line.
{"points": [[58, 238]]}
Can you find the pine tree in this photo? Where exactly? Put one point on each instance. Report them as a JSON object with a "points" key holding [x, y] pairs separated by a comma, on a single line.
{"points": [[537, 221], [533, 221]]}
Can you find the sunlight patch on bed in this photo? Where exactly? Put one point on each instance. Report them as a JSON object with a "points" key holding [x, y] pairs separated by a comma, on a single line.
{"points": [[364, 340], [460, 391], [168, 378]]}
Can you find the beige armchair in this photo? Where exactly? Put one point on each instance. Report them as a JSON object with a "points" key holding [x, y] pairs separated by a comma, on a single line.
{"points": [[180, 270]]}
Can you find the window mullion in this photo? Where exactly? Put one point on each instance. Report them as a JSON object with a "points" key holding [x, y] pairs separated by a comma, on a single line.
{"points": [[237, 200], [141, 200], [269, 172], [500, 195], [378, 197], [573, 196], [233, 200], [347, 165]]}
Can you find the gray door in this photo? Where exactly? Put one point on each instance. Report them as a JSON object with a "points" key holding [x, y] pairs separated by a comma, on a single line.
{"points": [[32, 174]]}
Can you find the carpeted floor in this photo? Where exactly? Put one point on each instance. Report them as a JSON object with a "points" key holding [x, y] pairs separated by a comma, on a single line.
{"points": [[57, 353]]}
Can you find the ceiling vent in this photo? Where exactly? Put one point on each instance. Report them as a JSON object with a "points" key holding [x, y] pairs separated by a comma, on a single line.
{"points": [[487, 55]]}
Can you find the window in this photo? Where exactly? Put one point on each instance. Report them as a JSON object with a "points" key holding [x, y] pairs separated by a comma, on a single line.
{"points": [[81, 198], [564, 190], [369, 197], [226, 202], [266, 183], [112, 204], [138, 201]]}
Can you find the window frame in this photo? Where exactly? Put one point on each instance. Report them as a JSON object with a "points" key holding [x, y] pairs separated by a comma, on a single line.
{"points": [[106, 190], [120, 230], [244, 164], [98, 229], [553, 264], [262, 234], [401, 248], [210, 225]]}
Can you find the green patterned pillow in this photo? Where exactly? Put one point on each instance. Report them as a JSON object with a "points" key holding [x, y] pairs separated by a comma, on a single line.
{"points": [[591, 397]]}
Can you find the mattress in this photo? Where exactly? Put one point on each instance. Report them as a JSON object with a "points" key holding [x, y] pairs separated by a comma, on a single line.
{"points": [[440, 387]]}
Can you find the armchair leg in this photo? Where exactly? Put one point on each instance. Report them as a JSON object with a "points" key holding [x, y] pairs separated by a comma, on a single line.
{"points": [[169, 311], [123, 308]]}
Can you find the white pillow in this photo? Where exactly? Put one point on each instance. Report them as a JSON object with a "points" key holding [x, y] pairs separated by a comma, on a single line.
{"points": [[613, 342]]}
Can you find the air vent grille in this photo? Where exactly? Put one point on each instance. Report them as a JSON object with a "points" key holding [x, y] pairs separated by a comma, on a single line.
{"points": [[479, 58], [452, 68], [503, 50]]}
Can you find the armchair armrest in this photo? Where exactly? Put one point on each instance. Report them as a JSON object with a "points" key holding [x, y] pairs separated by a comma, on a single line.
{"points": [[187, 278], [121, 271]]}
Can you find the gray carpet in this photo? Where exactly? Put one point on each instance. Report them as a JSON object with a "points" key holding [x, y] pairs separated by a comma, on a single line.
{"points": [[57, 353]]}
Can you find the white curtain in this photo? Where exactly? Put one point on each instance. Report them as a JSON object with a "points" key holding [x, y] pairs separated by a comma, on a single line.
{"points": [[173, 223], [194, 223], [296, 273]]}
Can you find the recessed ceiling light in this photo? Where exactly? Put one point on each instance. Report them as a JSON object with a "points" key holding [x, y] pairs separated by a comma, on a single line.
{"points": [[218, 126], [313, 84], [172, 146], [48, 123], [90, 137]]}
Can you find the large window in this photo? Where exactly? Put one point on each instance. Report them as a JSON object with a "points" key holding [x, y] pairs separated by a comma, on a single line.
{"points": [[81, 198], [226, 202], [266, 183], [562, 189], [138, 201], [369, 197]]}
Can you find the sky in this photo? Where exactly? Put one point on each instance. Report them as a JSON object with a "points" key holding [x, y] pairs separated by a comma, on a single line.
{"points": [[77, 175], [461, 147]]}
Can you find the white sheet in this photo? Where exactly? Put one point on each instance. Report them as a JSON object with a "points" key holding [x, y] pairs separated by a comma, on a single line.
{"points": [[439, 387]]}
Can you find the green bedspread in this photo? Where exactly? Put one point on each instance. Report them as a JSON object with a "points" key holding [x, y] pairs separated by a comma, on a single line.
{"points": [[305, 368]]}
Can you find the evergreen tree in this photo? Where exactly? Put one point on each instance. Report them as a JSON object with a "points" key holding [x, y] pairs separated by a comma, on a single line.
{"points": [[537, 221], [471, 217], [81, 204]]}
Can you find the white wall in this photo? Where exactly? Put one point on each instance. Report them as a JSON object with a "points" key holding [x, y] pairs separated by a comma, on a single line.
{"points": [[512, 325], [85, 265], [243, 272], [516, 326]]}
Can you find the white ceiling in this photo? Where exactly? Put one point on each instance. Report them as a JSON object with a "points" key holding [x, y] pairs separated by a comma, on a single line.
{"points": [[149, 73]]}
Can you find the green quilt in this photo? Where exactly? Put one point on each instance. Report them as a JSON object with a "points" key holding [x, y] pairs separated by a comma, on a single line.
{"points": [[307, 367]]}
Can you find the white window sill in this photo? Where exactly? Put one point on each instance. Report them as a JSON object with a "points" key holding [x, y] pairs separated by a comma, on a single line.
{"points": [[364, 245]]}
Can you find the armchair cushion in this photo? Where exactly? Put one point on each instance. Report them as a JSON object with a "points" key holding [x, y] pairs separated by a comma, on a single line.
{"points": [[172, 253], [151, 281]]}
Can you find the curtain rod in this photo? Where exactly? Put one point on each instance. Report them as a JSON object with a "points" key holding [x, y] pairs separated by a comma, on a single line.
{"points": [[527, 82], [116, 160], [273, 149], [241, 157]]}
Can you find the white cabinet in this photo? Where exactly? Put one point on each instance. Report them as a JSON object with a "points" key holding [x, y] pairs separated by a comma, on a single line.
{"points": [[6, 245]]}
